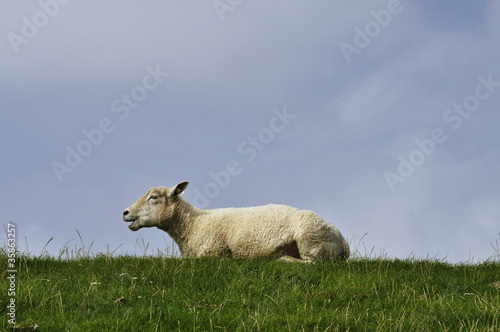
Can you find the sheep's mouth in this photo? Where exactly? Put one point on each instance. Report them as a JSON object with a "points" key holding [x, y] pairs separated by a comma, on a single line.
{"points": [[134, 225]]}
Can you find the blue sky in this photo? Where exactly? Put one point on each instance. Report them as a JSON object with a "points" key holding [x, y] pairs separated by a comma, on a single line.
{"points": [[396, 138]]}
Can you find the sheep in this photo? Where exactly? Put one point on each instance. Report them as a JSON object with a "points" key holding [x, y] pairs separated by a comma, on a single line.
{"points": [[270, 231]]}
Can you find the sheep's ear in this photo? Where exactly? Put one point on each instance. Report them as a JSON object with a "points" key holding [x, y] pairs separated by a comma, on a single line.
{"points": [[178, 189]]}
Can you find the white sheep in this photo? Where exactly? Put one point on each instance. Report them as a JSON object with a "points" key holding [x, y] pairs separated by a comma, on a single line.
{"points": [[272, 231]]}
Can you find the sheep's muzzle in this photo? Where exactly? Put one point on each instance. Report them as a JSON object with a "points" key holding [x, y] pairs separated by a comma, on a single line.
{"points": [[128, 217]]}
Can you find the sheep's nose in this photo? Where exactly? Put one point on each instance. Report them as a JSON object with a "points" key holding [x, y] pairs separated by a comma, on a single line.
{"points": [[128, 215]]}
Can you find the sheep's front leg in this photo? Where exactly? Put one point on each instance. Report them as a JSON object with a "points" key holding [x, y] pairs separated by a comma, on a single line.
{"points": [[290, 259]]}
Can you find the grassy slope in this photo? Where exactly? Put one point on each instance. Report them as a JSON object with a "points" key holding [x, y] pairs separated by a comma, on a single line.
{"points": [[164, 294]]}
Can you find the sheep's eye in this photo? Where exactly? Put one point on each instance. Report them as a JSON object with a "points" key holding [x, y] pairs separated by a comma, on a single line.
{"points": [[153, 197]]}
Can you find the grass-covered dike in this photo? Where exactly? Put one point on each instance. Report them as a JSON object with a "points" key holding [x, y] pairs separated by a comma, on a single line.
{"points": [[125, 293]]}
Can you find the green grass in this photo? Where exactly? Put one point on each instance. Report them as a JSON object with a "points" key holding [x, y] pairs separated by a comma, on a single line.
{"points": [[170, 294]]}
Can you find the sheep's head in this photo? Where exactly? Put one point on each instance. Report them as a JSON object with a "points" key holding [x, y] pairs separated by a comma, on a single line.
{"points": [[156, 206]]}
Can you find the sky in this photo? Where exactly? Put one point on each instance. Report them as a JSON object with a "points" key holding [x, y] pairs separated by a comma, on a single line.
{"points": [[380, 116]]}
